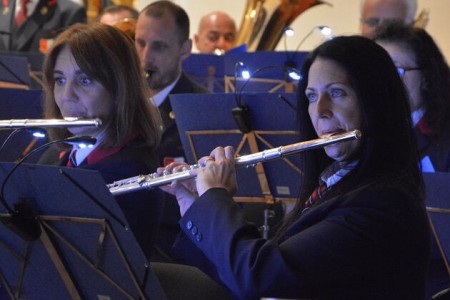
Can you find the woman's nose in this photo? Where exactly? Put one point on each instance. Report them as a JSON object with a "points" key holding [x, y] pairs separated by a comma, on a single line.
{"points": [[69, 93], [323, 107]]}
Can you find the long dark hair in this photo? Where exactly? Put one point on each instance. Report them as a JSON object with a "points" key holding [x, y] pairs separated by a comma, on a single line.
{"points": [[388, 147], [435, 79]]}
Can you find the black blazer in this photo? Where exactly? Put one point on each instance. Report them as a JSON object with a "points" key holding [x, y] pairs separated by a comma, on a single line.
{"points": [[438, 151], [48, 19], [372, 243], [171, 147], [143, 209], [170, 142]]}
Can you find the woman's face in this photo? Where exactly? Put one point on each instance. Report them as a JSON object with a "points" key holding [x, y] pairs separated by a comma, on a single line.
{"points": [[333, 106], [78, 95], [405, 59]]}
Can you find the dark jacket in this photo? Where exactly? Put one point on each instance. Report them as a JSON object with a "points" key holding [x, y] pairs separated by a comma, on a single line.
{"points": [[171, 147], [143, 209], [437, 151], [372, 243], [48, 20]]}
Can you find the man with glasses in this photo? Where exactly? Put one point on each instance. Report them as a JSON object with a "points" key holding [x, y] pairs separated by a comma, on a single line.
{"points": [[376, 12]]}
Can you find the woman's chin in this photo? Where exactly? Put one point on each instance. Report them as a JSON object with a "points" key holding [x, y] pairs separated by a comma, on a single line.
{"points": [[81, 131], [335, 152]]}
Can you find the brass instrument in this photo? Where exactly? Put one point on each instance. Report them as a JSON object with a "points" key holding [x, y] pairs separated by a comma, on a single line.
{"points": [[264, 21], [44, 123], [422, 19], [154, 180]]}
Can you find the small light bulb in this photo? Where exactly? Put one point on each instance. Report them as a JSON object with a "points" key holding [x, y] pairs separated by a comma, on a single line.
{"points": [[245, 74]]}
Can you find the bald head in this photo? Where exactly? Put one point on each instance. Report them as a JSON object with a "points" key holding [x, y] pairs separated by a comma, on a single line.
{"points": [[216, 30], [376, 12]]}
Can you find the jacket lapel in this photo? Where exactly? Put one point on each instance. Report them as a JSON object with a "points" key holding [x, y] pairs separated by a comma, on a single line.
{"points": [[6, 18], [26, 32]]}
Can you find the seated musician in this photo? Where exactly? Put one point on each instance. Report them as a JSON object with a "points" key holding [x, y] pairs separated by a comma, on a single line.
{"points": [[359, 229], [93, 71]]}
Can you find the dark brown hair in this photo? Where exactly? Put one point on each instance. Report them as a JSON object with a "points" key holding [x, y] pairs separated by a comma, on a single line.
{"points": [[108, 56]]}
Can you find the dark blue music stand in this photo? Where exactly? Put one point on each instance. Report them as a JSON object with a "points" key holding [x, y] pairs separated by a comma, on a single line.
{"points": [[438, 208], [268, 69], [206, 70], [85, 250], [19, 104], [205, 122], [14, 70]]}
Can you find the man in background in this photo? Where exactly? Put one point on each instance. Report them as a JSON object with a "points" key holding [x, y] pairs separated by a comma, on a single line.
{"points": [[216, 33], [113, 14], [32, 25], [376, 12], [162, 42]]}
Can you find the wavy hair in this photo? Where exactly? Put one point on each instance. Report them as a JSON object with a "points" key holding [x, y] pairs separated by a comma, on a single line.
{"points": [[108, 56]]}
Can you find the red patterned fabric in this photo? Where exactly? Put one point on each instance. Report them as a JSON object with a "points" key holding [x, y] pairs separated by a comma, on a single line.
{"points": [[316, 195], [22, 14]]}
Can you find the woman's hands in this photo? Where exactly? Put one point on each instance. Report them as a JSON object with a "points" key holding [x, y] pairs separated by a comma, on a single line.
{"points": [[218, 171]]}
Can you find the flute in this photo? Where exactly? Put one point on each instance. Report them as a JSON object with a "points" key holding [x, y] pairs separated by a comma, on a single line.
{"points": [[154, 180], [43, 123]]}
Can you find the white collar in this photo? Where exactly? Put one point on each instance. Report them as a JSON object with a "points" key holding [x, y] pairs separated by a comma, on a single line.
{"points": [[31, 6], [159, 97], [334, 173], [82, 153]]}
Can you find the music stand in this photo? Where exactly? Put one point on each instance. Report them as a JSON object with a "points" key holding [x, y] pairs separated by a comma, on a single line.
{"points": [[268, 69], [205, 121], [35, 61], [85, 250], [206, 70], [14, 72], [19, 104], [438, 208]]}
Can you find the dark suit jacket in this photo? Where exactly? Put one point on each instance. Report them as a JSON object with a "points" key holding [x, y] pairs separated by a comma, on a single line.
{"points": [[143, 209], [170, 143], [171, 147], [438, 152], [369, 244], [48, 19]]}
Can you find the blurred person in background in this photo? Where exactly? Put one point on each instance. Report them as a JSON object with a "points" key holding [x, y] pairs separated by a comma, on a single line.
{"points": [[32, 25], [216, 33], [376, 12]]}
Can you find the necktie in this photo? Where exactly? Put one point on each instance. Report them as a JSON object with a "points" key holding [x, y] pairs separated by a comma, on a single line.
{"points": [[22, 14], [316, 195]]}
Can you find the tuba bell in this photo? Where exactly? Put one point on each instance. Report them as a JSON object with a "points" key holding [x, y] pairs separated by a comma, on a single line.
{"points": [[264, 21]]}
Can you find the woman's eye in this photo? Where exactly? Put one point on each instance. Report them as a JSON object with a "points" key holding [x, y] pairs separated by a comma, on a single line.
{"points": [[337, 93], [59, 81], [85, 81], [311, 97]]}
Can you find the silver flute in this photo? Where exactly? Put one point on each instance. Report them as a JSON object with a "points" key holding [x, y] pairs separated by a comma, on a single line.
{"points": [[44, 123], [154, 180]]}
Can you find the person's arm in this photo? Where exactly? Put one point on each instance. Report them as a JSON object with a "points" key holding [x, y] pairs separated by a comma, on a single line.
{"points": [[331, 246]]}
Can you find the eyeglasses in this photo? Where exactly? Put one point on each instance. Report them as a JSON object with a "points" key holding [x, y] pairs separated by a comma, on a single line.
{"points": [[375, 22], [402, 70]]}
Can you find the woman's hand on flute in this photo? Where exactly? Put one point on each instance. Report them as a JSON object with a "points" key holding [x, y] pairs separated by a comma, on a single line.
{"points": [[185, 191], [219, 171]]}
